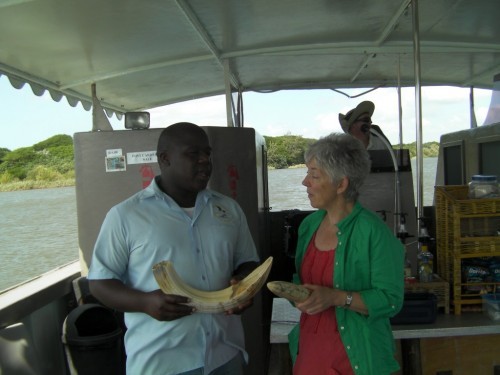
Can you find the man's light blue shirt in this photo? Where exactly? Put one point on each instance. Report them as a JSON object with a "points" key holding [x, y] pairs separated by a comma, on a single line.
{"points": [[150, 227]]}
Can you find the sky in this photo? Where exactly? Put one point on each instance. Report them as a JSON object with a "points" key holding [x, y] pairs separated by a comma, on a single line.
{"points": [[28, 119]]}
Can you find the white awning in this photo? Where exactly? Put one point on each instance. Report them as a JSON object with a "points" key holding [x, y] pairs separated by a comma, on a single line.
{"points": [[145, 54]]}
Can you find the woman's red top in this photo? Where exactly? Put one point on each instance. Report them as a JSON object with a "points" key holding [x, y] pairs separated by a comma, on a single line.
{"points": [[321, 351]]}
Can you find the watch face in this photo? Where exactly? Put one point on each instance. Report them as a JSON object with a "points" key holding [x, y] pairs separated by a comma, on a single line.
{"points": [[348, 299]]}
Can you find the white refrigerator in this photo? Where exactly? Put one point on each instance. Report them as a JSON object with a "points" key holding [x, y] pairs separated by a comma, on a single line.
{"points": [[110, 166]]}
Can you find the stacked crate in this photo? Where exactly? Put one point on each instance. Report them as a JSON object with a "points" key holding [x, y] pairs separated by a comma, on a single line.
{"points": [[465, 228]]}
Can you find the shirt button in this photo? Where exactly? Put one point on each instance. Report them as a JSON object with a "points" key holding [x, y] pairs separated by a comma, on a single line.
{"points": [[203, 277], [198, 251], [340, 243], [337, 286], [356, 367], [339, 233], [341, 327], [348, 347]]}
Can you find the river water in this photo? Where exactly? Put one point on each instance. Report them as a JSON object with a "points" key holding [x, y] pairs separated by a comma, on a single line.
{"points": [[39, 227]]}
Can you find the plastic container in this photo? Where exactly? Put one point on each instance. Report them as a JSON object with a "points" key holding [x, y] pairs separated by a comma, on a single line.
{"points": [[483, 186], [407, 270], [425, 265], [93, 341], [418, 308], [491, 306]]}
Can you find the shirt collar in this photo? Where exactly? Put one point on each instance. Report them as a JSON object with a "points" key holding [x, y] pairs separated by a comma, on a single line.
{"points": [[351, 217], [154, 191]]}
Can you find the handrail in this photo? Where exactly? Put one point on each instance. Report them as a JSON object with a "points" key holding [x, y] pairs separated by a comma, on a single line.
{"points": [[397, 183], [22, 300]]}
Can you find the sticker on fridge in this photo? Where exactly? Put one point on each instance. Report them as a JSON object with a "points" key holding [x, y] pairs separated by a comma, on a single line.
{"points": [[116, 164]]}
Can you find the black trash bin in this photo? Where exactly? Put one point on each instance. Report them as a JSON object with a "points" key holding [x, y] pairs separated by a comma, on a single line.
{"points": [[93, 341]]}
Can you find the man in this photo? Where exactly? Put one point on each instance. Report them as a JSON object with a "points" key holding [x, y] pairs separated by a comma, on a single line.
{"points": [[358, 123], [175, 218]]}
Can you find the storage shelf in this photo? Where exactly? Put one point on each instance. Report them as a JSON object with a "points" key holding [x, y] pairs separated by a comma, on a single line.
{"points": [[465, 229]]}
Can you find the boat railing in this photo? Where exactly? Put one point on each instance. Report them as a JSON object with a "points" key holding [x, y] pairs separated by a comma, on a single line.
{"points": [[22, 300]]}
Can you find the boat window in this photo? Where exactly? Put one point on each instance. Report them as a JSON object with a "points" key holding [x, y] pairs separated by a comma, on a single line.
{"points": [[488, 158], [453, 164]]}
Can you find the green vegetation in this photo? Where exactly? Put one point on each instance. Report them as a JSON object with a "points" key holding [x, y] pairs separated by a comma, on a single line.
{"points": [[288, 150], [50, 163], [429, 150]]}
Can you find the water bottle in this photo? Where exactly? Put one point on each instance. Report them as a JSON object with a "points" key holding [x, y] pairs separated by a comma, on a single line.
{"points": [[425, 265], [407, 269]]}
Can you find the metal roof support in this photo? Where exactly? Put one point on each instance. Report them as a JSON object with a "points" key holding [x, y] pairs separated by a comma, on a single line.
{"points": [[418, 113], [473, 121], [388, 29], [400, 106], [239, 109], [205, 37], [229, 98], [99, 120]]}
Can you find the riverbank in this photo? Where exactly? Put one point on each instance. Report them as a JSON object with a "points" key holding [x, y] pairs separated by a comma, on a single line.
{"points": [[36, 184], [33, 184]]}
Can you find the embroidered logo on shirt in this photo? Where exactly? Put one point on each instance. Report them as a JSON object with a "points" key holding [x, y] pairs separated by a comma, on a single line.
{"points": [[221, 213]]}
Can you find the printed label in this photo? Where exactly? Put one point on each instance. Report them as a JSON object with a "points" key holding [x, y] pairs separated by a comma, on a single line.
{"points": [[114, 152], [142, 157]]}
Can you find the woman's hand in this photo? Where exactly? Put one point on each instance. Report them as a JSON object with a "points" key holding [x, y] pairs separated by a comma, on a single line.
{"points": [[321, 299]]}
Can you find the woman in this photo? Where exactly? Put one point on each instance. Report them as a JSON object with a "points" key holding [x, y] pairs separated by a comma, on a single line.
{"points": [[347, 256]]}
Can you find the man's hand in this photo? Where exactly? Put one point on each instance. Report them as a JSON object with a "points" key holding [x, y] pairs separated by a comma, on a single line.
{"points": [[242, 307], [166, 307]]}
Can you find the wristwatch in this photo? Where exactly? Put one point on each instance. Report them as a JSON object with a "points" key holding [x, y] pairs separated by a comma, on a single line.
{"points": [[348, 300]]}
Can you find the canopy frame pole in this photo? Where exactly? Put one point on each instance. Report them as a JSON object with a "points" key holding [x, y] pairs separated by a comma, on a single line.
{"points": [[473, 121], [229, 97], [418, 114], [400, 106]]}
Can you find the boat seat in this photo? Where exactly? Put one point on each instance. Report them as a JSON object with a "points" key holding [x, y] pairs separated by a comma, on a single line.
{"points": [[17, 356]]}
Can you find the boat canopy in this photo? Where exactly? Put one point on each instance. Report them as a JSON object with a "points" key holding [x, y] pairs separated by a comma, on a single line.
{"points": [[145, 54]]}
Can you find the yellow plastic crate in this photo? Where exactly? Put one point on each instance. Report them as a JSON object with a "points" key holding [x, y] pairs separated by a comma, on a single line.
{"points": [[465, 228]]}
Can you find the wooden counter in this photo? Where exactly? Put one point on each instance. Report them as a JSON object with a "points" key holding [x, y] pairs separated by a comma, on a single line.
{"points": [[285, 316]]}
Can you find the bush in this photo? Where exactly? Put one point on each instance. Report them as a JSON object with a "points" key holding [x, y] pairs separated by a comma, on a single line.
{"points": [[41, 173], [7, 177], [18, 173], [61, 152], [3, 152], [19, 161]]}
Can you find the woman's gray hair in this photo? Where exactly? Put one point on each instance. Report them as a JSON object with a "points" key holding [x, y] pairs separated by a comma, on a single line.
{"points": [[341, 155]]}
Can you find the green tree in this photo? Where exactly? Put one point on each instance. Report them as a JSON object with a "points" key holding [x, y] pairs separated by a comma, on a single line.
{"points": [[3, 152], [55, 141], [285, 151], [19, 162], [45, 161], [430, 149]]}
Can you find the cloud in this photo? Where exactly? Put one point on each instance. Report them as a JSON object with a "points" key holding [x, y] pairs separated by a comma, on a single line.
{"points": [[309, 113], [314, 113]]}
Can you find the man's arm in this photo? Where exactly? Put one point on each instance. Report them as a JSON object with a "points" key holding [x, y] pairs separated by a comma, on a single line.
{"points": [[116, 295]]}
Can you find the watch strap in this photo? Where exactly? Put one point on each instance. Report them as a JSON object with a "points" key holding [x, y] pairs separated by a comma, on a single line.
{"points": [[348, 300]]}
